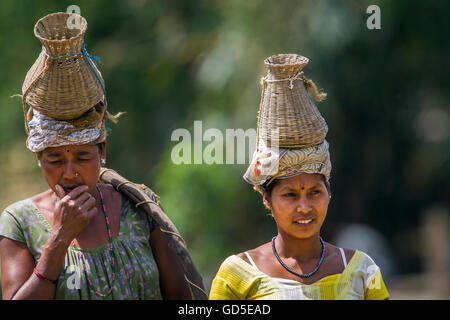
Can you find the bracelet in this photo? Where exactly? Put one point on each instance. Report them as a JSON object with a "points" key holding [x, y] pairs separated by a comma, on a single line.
{"points": [[41, 276]]}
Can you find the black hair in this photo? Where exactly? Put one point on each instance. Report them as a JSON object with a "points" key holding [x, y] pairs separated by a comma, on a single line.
{"points": [[100, 147], [268, 188]]}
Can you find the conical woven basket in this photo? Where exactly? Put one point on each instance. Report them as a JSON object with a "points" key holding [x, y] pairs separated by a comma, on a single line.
{"points": [[66, 87], [287, 106]]}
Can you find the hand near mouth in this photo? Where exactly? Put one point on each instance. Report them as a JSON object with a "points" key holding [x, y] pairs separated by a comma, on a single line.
{"points": [[72, 212]]}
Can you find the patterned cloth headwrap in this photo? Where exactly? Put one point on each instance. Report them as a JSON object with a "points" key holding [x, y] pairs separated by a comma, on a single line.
{"points": [[45, 132], [270, 164]]}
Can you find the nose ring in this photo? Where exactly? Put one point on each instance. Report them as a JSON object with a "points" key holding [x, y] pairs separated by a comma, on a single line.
{"points": [[76, 174]]}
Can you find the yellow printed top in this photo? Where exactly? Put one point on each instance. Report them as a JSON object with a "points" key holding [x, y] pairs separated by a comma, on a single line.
{"points": [[360, 280]]}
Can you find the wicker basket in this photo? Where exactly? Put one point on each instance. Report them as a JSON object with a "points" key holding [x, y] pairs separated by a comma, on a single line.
{"points": [[286, 105], [62, 88]]}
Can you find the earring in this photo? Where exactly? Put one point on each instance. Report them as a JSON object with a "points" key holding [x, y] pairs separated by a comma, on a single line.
{"points": [[39, 163], [103, 161]]}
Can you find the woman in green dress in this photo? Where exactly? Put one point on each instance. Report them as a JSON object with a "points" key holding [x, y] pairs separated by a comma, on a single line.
{"points": [[79, 239]]}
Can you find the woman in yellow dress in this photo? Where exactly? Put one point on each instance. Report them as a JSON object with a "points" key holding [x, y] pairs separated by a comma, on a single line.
{"points": [[296, 263]]}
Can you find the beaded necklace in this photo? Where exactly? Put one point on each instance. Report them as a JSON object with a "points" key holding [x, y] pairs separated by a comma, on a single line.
{"points": [[307, 275], [111, 253]]}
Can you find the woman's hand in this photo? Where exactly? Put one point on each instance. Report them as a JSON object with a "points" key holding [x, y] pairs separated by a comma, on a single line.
{"points": [[72, 212], [172, 283]]}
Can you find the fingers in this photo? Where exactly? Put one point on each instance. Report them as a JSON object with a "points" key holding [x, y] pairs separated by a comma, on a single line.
{"points": [[78, 191], [59, 191], [82, 198], [88, 204], [74, 210], [72, 195], [92, 212], [78, 199], [83, 203]]}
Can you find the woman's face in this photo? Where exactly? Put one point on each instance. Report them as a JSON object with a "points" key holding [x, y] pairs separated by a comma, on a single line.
{"points": [[299, 204], [71, 166]]}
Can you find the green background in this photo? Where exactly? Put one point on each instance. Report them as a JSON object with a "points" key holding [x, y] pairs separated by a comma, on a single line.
{"points": [[169, 63]]}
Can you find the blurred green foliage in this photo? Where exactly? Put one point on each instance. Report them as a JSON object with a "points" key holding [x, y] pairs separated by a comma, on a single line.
{"points": [[168, 63]]}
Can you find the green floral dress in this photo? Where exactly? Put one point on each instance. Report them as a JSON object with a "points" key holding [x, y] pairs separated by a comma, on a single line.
{"points": [[137, 274]]}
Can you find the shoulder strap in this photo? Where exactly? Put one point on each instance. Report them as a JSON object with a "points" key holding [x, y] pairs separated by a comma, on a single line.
{"points": [[139, 195], [250, 259], [344, 260]]}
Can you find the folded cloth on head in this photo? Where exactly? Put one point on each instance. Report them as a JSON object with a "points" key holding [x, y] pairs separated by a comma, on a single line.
{"points": [[45, 132], [269, 164]]}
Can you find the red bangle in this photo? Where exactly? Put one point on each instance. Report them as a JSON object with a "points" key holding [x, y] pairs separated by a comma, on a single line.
{"points": [[41, 276]]}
